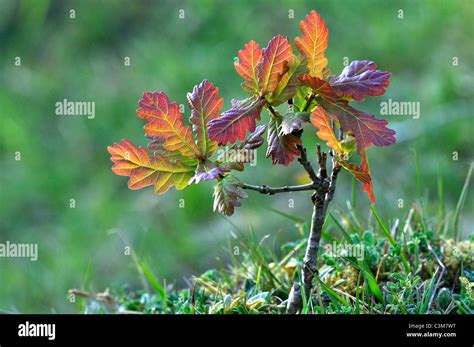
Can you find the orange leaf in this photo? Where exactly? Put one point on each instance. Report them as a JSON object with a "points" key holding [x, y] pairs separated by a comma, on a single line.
{"points": [[318, 85], [321, 120], [313, 43], [362, 174], [367, 187], [276, 57], [250, 56], [166, 121], [356, 170], [289, 83], [367, 129], [145, 170]]}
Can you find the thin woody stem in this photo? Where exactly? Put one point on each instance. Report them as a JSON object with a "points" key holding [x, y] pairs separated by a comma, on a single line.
{"points": [[323, 188], [308, 102], [303, 160], [332, 185], [321, 198], [311, 255], [274, 190], [272, 110], [322, 174]]}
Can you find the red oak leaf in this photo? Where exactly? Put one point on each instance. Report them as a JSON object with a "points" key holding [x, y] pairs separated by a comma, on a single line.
{"points": [[166, 121], [144, 170], [362, 174], [321, 120], [234, 123], [366, 128], [276, 58], [357, 171], [250, 56], [205, 105], [318, 85], [313, 43], [367, 186]]}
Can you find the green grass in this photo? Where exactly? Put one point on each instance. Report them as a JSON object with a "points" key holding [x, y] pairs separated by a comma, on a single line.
{"points": [[409, 271]]}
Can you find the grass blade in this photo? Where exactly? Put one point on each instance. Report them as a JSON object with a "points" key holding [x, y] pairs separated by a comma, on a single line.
{"points": [[286, 215], [461, 200], [389, 236], [336, 298], [153, 281]]}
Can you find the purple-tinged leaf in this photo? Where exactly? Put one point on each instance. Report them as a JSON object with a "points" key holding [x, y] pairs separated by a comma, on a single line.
{"points": [[205, 105], [282, 148], [156, 144], [235, 156], [234, 123], [205, 172], [360, 78], [255, 139], [366, 128], [294, 122]]}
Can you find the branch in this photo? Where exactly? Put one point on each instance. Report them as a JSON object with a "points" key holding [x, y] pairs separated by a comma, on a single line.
{"points": [[308, 102], [310, 260], [332, 184], [272, 110], [321, 198], [274, 190], [322, 174], [303, 160]]}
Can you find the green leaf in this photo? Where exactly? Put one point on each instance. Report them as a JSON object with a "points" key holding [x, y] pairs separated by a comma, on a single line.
{"points": [[301, 97], [289, 83]]}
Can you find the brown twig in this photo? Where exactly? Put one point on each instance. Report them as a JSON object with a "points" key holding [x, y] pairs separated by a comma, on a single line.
{"points": [[321, 198], [274, 190], [308, 102], [332, 184], [303, 160], [323, 174], [324, 188], [272, 111]]}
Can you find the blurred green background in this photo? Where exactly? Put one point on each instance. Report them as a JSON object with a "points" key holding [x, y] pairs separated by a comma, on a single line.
{"points": [[82, 59]]}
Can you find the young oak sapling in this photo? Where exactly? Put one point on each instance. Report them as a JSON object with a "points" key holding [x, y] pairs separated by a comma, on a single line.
{"points": [[184, 154]]}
